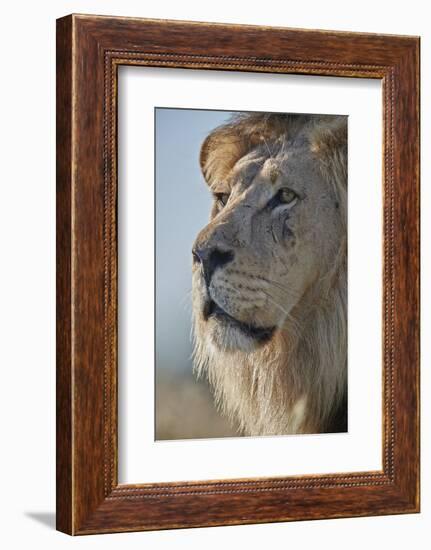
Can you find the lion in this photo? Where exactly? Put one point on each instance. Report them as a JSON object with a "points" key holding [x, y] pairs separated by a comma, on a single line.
{"points": [[269, 273]]}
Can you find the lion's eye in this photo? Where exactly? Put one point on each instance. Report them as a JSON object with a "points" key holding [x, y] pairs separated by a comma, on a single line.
{"points": [[221, 198], [286, 196]]}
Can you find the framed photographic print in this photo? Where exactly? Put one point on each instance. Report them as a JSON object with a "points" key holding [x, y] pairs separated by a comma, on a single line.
{"points": [[237, 274]]}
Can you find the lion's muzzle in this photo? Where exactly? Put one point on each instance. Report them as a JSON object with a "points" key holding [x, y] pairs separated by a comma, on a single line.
{"points": [[210, 259]]}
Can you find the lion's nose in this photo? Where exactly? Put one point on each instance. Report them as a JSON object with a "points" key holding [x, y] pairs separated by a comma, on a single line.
{"points": [[211, 259]]}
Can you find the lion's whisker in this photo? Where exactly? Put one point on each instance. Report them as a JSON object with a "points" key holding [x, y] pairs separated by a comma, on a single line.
{"points": [[265, 142], [288, 316]]}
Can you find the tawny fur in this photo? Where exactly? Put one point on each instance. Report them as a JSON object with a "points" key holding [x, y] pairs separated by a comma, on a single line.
{"points": [[296, 382]]}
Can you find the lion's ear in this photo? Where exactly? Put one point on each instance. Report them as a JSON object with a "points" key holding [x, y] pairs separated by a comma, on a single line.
{"points": [[204, 154], [330, 136], [219, 152], [340, 134]]}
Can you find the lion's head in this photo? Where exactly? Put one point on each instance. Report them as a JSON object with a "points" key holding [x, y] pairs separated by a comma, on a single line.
{"points": [[269, 271]]}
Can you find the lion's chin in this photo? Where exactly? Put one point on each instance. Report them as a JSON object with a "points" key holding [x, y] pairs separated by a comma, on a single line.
{"points": [[230, 334], [230, 339]]}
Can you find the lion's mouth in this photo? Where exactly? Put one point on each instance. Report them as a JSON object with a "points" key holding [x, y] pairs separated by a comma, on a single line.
{"points": [[260, 334]]}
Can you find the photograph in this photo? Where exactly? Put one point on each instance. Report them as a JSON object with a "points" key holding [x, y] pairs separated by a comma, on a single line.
{"points": [[250, 273]]}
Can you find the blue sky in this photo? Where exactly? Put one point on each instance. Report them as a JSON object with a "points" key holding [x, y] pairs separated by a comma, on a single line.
{"points": [[183, 205]]}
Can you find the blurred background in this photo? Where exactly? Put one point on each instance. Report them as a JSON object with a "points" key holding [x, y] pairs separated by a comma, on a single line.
{"points": [[184, 406]]}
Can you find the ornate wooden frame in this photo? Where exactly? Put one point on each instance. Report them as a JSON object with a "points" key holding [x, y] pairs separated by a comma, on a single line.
{"points": [[89, 51]]}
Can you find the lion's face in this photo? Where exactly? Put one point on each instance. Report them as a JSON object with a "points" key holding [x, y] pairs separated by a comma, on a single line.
{"points": [[274, 232]]}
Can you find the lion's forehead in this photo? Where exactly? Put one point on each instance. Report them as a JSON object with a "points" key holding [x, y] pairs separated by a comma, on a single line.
{"points": [[246, 169], [293, 165]]}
